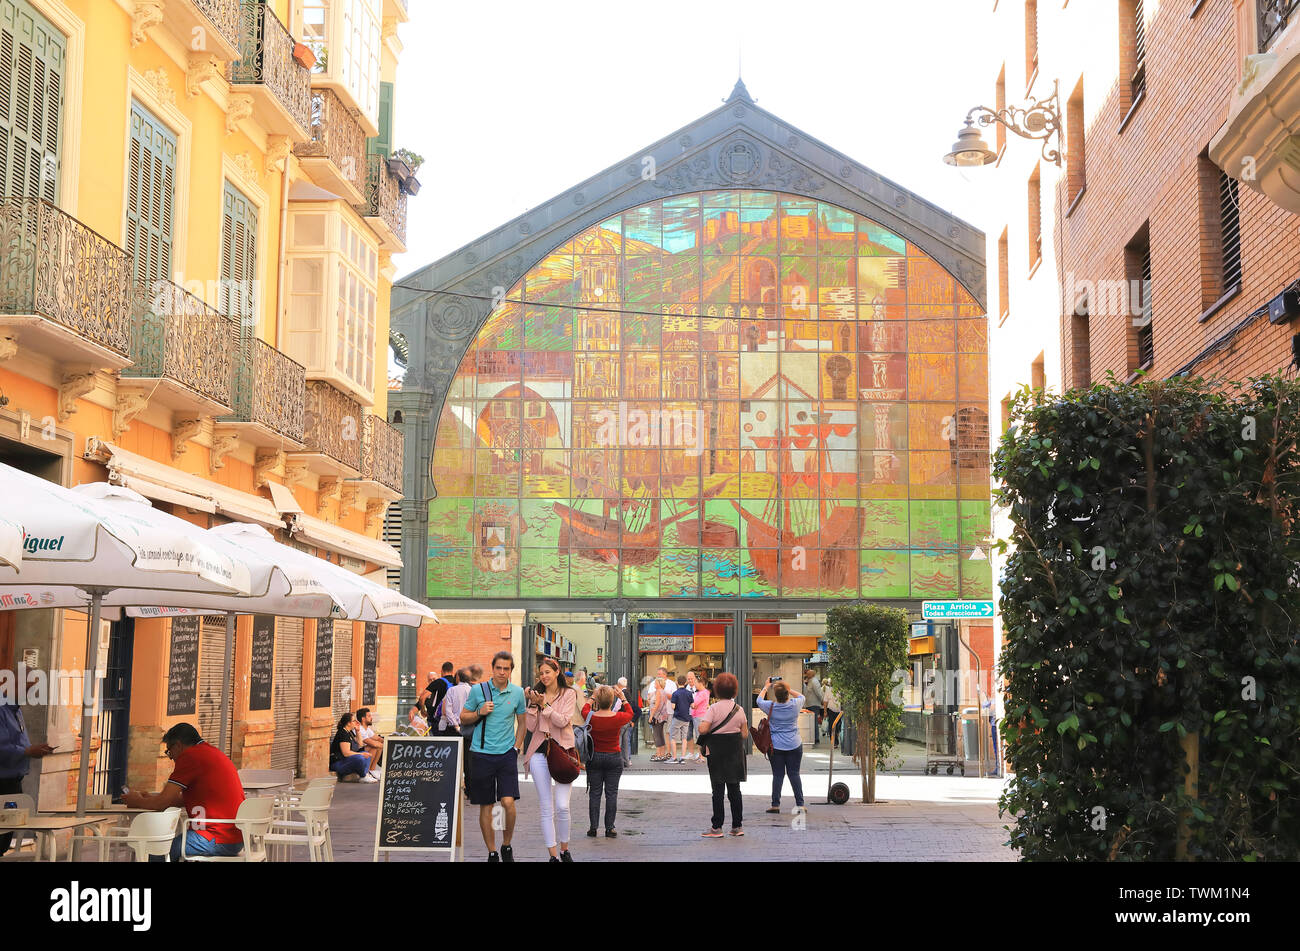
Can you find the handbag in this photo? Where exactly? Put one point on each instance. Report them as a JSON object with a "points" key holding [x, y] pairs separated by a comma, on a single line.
{"points": [[762, 735], [563, 764], [702, 739]]}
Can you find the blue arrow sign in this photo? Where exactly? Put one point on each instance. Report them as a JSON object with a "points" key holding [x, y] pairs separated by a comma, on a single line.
{"points": [[956, 610]]}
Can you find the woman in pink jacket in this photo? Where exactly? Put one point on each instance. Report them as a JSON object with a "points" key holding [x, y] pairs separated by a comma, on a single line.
{"points": [[550, 716]]}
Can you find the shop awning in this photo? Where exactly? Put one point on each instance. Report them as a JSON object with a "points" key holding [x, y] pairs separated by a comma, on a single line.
{"points": [[155, 480], [314, 531]]}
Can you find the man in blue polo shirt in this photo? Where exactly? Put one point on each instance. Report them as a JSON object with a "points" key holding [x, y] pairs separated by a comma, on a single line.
{"points": [[495, 709]]}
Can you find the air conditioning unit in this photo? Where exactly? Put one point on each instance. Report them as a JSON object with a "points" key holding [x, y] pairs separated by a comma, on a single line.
{"points": [[1283, 307]]}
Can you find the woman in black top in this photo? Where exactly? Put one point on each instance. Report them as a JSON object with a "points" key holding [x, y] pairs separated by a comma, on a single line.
{"points": [[350, 765]]}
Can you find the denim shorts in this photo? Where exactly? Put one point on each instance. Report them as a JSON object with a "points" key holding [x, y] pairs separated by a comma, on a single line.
{"points": [[493, 777]]}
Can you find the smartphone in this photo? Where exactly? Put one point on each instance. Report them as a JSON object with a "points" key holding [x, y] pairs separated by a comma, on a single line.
{"points": [[539, 687], [777, 679]]}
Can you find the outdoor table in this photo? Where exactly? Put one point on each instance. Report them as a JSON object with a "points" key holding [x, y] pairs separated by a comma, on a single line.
{"points": [[261, 785], [45, 825]]}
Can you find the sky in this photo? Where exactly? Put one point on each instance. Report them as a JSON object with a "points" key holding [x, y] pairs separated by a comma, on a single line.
{"points": [[512, 102]]}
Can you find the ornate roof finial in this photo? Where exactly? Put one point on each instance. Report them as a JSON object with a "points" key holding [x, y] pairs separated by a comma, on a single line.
{"points": [[739, 93]]}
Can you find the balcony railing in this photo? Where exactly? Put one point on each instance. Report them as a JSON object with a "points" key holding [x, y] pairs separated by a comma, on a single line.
{"points": [[224, 15], [385, 199], [266, 59], [176, 336], [269, 389], [53, 266], [333, 425], [335, 135], [1274, 15], [381, 453]]}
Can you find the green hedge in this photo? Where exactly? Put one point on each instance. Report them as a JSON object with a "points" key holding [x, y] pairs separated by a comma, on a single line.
{"points": [[1149, 602]]}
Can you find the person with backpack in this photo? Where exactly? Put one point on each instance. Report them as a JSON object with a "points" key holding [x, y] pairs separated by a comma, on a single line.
{"points": [[549, 717], [723, 732], [787, 747], [497, 708], [605, 768], [431, 699]]}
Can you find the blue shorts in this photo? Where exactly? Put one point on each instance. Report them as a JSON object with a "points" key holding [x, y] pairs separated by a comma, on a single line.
{"points": [[493, 777]]}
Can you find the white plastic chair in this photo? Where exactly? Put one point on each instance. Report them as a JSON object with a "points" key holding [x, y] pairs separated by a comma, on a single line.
{"points": [[150, 833], [313, 830], [285, 801], [253, 820], [22, 801]]}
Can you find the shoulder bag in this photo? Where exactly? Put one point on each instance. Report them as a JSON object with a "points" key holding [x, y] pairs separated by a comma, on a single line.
{"points": [[702, 739], [563, 765], [762, 734]]}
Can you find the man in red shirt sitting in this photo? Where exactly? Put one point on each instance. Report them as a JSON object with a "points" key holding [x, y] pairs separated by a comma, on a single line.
{"points": [[206, 783]]}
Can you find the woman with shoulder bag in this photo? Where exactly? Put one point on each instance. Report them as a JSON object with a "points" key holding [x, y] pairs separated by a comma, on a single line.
{"points": [[723, 732], [606, 766], [787, 747], [551, 704]]}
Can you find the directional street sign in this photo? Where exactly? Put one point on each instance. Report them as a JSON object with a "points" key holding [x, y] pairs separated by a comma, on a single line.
{"points": [[956, 610]]}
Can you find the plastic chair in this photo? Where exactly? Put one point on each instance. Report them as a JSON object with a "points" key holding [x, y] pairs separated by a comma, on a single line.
{"points": [[313, 830], [22, 801], [150, 833], [253, 820]]}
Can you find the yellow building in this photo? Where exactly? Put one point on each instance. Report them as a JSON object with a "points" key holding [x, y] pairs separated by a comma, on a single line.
{"points": [[198, 209]]}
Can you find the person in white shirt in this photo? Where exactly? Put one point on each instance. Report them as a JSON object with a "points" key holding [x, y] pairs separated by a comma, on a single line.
{"points": [[372, 744], [454, 702]]}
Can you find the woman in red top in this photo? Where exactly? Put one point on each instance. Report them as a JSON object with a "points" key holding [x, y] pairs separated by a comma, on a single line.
{"points": [[606, 766]]}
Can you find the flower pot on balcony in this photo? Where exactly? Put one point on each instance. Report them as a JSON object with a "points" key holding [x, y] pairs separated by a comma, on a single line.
{"points": [[304, 55], [400, 170], [411, 186]]}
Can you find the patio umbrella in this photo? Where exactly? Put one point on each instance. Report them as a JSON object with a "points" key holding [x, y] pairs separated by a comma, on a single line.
{"points": [[276, 586], [11, 544], [81, 552]]}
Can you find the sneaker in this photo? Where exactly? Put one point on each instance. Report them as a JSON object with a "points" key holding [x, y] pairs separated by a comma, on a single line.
{"points": [[493, 857], [368, 779], [565, 856], [774, 809], [507, 854], [377, 773], [554, 858], [611, 833], [712, 834], [681, 759], [591, 833], [737, 832]]}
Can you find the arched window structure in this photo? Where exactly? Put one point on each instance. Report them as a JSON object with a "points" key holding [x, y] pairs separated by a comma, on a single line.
{"points": [[727, 394]]}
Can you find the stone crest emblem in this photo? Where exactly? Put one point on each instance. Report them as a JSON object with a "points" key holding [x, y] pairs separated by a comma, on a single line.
{"points": [[739, 161]]}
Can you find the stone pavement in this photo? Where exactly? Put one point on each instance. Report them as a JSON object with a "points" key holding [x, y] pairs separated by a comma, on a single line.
{"points": [[664, 808]]}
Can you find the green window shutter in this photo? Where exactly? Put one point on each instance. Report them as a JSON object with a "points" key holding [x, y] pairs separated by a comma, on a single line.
{"points": [[383, 143], [239, 259], [151, 192], [32, 60]]}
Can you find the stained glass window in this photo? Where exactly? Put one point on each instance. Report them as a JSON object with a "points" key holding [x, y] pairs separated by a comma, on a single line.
{"points": [[723, 395]]}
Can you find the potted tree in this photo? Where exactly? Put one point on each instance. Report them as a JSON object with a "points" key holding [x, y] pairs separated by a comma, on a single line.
{"points": [[404, 164]]}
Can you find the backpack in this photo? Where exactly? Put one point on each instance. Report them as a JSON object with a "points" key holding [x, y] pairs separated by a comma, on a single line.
{"points": [[582, 741]]}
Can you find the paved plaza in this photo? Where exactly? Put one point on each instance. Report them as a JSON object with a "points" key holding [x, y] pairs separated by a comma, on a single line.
{"points": [[664, 808]]}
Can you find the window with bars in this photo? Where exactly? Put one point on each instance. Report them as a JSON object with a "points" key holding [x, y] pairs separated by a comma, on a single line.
{"points": [[1138, 78], [1137, 265], [32, 62], [1230, 228], [1274, 16]]}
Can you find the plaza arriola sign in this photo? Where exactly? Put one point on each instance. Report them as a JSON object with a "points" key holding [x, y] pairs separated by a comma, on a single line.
{"points": [[956, 610]]}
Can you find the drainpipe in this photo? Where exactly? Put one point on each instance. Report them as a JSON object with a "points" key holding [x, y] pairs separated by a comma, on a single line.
{"points": [[282, 263]]}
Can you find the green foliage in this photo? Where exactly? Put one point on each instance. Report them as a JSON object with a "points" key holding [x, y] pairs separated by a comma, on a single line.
{"points": [[1146, 603], [868, 647]]}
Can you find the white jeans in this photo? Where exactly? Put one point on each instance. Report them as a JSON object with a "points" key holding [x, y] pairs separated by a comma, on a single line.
{"points": [[555, 812]]}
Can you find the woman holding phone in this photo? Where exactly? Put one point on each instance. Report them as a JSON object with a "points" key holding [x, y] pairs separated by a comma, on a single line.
{"points": [[551, 704], [787, 747]]}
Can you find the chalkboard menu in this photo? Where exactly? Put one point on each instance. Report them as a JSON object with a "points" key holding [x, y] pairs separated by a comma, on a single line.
{"points": [[419, 799], [261, 671], [183, 667], [369, 664], [324, 673]]}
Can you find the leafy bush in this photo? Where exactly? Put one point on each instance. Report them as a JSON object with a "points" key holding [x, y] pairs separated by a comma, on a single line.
{"points": [[1147, 602]]}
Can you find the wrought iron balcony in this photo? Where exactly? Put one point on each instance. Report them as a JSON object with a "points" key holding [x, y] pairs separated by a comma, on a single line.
{"points": [[385, 204], [279, 85], [335, 156], [1274, 17], [332, 432], [268, 395], [381, 454], [63, 287], [204, 26], [184, 347]]}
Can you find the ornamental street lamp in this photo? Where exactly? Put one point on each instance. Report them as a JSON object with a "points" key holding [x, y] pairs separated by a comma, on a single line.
{"points": [[1041, 119]]}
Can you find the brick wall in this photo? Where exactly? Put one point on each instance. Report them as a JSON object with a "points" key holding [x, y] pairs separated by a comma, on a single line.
{"points": [[462, 644], [1150, 171]]}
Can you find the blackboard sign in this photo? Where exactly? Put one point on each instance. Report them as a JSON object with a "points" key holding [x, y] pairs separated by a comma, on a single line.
{"points": [[183, 667], [370, 662], [323, 677], [261, 670], [419, 795]]}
